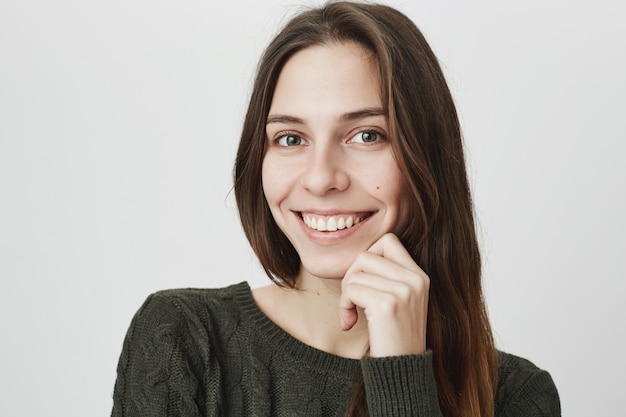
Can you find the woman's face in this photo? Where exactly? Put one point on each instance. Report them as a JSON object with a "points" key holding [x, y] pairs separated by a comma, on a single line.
{"points": [[329, 176]]}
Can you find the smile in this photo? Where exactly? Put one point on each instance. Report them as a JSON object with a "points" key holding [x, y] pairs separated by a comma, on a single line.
{"points": [[332, 223]]}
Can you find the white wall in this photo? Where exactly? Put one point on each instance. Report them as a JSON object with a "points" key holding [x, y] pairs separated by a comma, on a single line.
{"points": [[118, 126]]}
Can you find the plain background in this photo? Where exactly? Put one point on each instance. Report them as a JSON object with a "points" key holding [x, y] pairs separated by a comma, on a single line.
{"points": [[119, 121]]}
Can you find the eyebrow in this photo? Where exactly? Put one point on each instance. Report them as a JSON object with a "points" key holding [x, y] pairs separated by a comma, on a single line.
{"points": [[354, 115]]}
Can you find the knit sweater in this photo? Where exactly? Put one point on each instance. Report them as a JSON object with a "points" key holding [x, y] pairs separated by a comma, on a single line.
{"points": [[212, 352]]}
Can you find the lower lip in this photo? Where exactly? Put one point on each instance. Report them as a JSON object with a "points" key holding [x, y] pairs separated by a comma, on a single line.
{"points": [[330, 238]]}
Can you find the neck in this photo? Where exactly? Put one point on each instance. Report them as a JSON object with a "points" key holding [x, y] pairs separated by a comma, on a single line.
{"points": [[310, 313]]}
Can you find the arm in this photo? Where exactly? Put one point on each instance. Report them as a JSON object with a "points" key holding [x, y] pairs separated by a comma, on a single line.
{"points": [[393, 291]]}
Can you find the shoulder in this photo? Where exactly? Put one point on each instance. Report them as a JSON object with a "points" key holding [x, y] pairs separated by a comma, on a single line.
{"points": [[188, 312], [184, 301], [514, 370], [522, 387]]}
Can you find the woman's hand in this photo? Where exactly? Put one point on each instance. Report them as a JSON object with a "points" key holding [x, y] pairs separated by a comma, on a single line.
{"points": [[392, 290]]}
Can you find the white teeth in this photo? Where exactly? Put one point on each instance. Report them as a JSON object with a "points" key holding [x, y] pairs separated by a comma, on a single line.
{"points": [[331, 224], [349, 222]]}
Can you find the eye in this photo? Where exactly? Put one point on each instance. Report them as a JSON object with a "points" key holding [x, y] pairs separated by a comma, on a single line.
{"points": [[367, 136], [289, 140]]}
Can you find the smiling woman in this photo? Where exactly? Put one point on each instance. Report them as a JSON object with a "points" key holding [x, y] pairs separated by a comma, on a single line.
{"points": [[351, 187]]}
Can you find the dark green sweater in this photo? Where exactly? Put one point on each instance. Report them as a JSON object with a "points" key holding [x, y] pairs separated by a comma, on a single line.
{"points": [[212, 352]]}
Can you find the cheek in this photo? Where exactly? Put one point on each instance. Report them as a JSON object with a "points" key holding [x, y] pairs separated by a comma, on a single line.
{"points": [[404, 209], [268, 182], [275, 181], [393, 191], [387, 183]]}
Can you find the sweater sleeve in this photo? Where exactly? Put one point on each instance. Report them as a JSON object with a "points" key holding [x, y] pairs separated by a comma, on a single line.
{"points": [[157, 371], [401, 386]]}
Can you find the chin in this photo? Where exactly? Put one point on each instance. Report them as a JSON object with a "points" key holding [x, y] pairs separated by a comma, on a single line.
{"points": [[327, 270]]}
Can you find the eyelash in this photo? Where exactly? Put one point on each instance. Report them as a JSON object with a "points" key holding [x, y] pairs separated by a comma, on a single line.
{"points": [[283, 136], [381, 136]]}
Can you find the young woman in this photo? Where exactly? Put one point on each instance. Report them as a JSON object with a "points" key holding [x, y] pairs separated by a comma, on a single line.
{"points": [[351, 186]]}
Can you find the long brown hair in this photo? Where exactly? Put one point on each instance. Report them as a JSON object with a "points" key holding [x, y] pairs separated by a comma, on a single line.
{"points": [[426, 140]]}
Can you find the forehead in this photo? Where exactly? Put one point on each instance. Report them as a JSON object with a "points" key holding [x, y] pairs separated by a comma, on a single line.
{"points": [[334, 76]]}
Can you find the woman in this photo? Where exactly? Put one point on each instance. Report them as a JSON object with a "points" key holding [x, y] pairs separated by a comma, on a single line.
{"points": [[351, 187]]}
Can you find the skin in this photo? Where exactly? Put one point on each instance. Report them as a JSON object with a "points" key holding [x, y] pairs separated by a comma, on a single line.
{"points": [[329, 158]]}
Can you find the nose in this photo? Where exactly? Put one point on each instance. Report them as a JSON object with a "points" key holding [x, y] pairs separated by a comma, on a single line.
{"points": [[325, 171]]}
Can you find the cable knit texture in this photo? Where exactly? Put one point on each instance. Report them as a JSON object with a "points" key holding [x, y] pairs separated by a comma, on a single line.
{"points": [[212, 352]]}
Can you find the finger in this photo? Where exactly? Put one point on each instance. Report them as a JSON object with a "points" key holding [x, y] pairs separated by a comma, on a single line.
{"points": [[348, 315], [403, 289], [402, 292], [384, 305], [396, 315], [385, 267], [355, 294], [408, 295], [390, 247]]}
